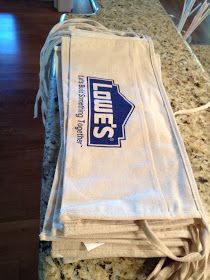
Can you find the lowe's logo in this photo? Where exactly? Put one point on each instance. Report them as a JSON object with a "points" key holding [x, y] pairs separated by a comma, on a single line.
{"points": [[108, 112]]}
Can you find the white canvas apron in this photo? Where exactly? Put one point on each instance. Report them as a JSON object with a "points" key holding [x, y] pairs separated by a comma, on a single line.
{"points": [[122, 166], [152, 168]]}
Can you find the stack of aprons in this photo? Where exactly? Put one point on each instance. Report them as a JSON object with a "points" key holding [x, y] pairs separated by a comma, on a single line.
{"points": [[123, 185]]}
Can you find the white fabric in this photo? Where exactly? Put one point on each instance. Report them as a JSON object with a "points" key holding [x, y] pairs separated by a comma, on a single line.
{"points": [[139, 199], [193, 110], [139, 183]]}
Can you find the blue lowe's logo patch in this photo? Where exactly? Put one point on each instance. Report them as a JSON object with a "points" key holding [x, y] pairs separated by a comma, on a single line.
{"points": [[108, 113]]}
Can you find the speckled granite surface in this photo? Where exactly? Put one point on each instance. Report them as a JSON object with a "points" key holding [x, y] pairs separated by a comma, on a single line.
{"points": [[203, 54], [187, 86]]}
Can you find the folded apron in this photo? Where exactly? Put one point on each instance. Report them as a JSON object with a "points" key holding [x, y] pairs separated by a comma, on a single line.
{"points": [[123, 184]]}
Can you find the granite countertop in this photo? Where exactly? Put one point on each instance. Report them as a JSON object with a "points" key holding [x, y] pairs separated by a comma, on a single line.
{"points": [[203, 54], [187, 86]]}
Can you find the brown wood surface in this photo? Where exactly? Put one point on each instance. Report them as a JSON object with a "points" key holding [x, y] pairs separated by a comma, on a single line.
{"points": [[23, 28]]}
